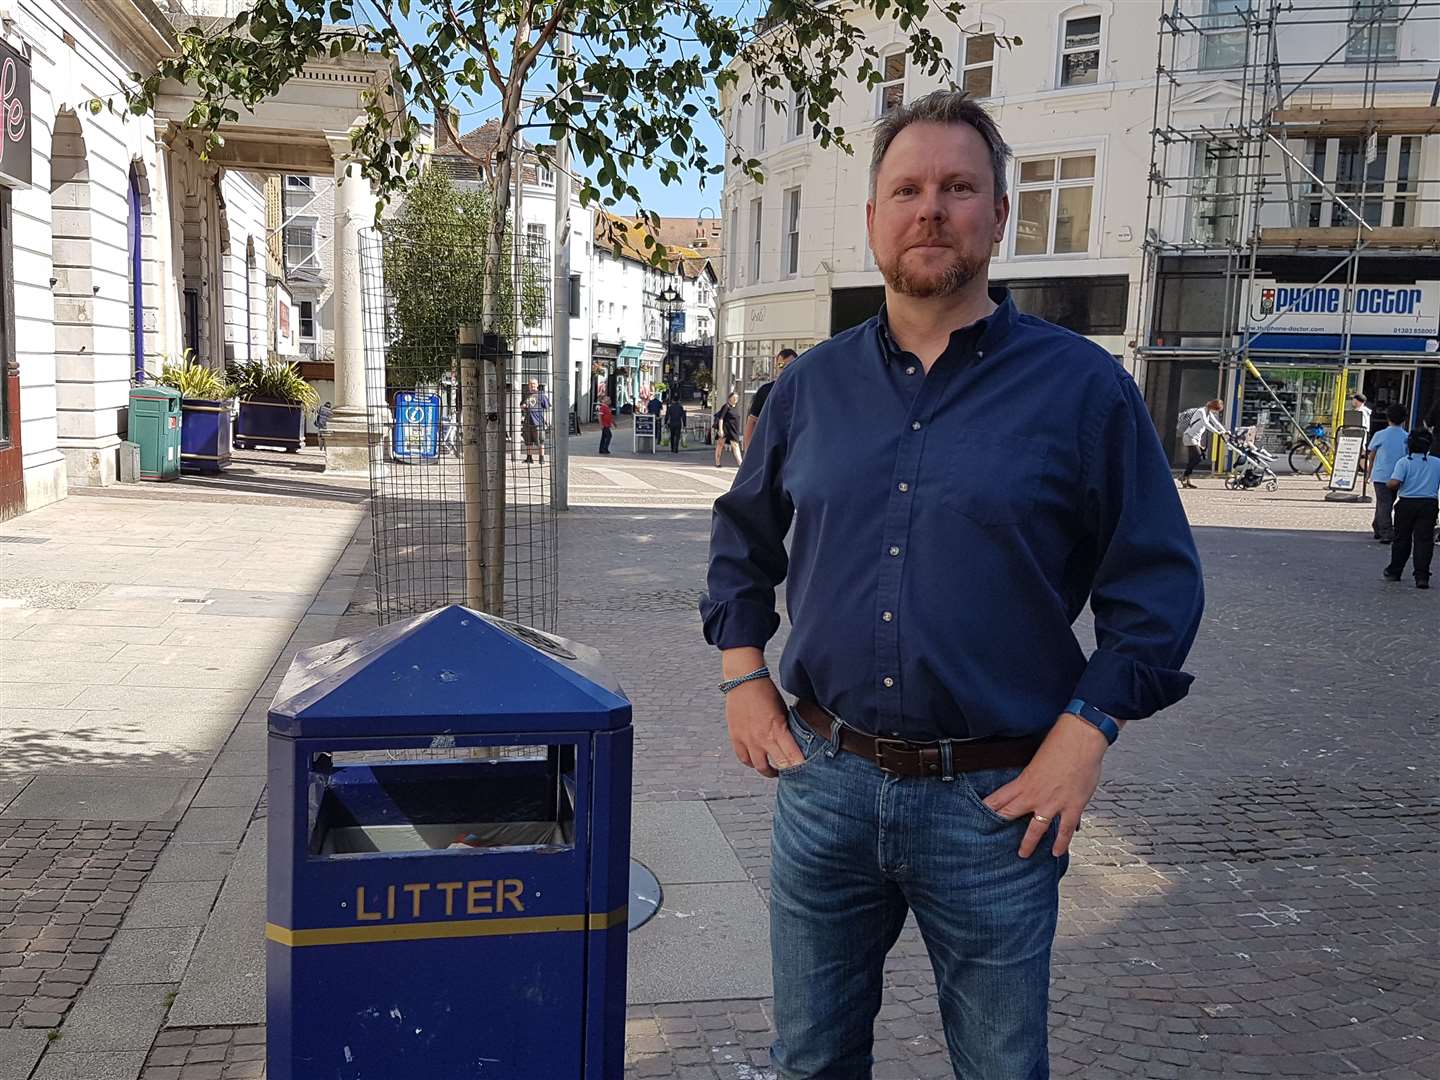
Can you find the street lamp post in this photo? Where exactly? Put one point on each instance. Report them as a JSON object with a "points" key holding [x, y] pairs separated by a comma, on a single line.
{"points": [[668, 299]]}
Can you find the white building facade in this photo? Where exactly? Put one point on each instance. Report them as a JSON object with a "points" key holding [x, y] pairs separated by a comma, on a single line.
{"points": [[1074, 101], [121, 250], [642, 313]]}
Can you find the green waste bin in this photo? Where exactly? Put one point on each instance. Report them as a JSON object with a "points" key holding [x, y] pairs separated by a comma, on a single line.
{"points": [[155, 426]]}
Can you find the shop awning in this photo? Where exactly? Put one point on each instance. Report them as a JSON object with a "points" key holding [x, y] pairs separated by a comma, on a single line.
{"points": [[631, 352]]}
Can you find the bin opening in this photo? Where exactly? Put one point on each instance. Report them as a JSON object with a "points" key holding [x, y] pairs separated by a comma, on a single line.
{"points": [[464, 806]]}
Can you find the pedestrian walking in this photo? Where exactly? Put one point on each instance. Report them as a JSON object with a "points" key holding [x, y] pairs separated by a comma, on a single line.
{"points": [[1387, 446], [1196, 426], [1415, 481], [607, 424], [532, 421], [1358, 400], [675, 421], [948, 730], [757, 403], [727, 430]]}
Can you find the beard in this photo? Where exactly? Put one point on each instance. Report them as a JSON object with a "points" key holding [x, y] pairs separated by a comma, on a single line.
{"points": [[936, 279]]}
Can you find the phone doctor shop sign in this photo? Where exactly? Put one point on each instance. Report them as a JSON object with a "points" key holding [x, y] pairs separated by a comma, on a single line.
{"points": [[14, 118]]}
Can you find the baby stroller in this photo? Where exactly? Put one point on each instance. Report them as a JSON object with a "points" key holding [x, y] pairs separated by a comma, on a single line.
{"points": [[1251, 466]]}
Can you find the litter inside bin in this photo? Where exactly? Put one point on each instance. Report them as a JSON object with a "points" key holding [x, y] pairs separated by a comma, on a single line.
{"points": [[455, 805]]}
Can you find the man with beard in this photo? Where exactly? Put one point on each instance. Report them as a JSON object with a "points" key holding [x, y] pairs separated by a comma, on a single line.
{"points": [[948, 729]]}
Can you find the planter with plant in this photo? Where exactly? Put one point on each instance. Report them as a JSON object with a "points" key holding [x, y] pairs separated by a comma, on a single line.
{"points": [[204, 414], [274, 399]]}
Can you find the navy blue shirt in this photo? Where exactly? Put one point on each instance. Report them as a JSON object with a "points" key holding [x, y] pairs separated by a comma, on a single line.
{"points": [[949, 528]]}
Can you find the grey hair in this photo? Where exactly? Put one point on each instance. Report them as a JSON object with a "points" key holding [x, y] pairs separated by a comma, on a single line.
{"points": [[943, 107]]}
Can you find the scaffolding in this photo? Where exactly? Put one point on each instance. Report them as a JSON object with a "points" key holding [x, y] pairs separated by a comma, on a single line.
{"points": [[1294, 143]]}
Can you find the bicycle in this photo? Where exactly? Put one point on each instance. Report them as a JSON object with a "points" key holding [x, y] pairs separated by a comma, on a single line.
{"points": [[1312, 457]]}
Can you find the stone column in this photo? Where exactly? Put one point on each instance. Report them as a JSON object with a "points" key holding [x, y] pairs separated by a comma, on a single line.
{"points": [[348, 446]]}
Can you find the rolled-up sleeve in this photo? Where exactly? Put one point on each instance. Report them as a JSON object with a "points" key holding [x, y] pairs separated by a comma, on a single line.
{"points": [[1148, 592], [747, 537]]}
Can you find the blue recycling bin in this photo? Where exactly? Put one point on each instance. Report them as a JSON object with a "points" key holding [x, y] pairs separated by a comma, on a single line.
{"points": [[417, 427], [449, 840]]}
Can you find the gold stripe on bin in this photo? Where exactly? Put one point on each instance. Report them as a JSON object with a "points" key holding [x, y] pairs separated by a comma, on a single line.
{"points": [[426, 931], [204, 408]]}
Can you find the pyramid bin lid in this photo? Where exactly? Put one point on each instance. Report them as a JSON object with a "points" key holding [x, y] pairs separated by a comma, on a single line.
{"points": [[452, 671]]}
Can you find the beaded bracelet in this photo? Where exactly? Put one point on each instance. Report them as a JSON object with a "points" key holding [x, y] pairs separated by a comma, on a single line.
{"points": [[731, 684]]}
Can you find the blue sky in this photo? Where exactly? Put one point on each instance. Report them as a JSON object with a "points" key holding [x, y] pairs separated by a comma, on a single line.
{"points": [[683, 199]]}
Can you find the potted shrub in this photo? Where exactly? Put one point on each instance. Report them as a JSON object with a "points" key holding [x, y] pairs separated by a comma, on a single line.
{"points": [[274, 399], [204, 414]]}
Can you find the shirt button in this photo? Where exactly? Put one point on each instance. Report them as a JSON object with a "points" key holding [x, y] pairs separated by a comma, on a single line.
{"points": [[910, 371], [887, 615], [915, 426], [889, 682], [979, 352], [904, 486], [894, 550]]}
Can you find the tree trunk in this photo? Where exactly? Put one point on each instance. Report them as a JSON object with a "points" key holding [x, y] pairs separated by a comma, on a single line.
{"points": [[484, 460]]}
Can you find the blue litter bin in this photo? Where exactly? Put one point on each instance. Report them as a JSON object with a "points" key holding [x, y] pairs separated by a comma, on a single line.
{"points": [[449, 838], [417, 426]]}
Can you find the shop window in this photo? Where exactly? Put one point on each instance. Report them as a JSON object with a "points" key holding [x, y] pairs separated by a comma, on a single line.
{"points": [[977, 65], [1080, 50], [1053, 204]]}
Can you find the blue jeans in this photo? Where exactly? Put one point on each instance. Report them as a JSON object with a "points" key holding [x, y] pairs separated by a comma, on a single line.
{"points": [[853, 851]]}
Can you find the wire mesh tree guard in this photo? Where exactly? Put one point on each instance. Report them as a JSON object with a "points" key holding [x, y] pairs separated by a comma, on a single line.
{"points": [[461, 499]]}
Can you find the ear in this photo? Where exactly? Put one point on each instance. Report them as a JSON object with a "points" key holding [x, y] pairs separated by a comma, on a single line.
{"points": [[1002, 215]]}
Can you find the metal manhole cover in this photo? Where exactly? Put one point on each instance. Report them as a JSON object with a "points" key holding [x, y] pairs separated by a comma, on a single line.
{"points": [[24, 539]]}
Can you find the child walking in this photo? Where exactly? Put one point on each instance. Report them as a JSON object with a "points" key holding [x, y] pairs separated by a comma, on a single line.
{"points": [[1416, 483]]}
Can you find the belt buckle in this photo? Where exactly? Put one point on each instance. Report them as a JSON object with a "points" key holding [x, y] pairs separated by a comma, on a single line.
{"points": [[900, 745]]}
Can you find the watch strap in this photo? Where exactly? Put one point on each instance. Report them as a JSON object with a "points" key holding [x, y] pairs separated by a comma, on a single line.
{"points": [[1103, 721]]}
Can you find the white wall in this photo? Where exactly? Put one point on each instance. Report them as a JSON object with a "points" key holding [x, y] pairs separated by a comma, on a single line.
{"points": [[247, 334], [75, 385]]}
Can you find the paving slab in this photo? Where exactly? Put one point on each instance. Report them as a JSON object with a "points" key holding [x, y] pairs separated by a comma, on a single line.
{"points": [[147, 956], [230, 791], [114, 1018], [707, 942], [112, 796], [225, 982], [11, 786], [214, 824], [194, 862], [91, 1066], [246, 880], [171, 903], [20, 1049], [681, 844]]}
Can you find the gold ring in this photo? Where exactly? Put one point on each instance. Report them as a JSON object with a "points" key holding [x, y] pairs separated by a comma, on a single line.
{"points": [[1041, 818]]}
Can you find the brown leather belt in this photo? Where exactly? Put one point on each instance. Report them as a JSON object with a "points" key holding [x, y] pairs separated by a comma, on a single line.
{"points": [[902, 758]]}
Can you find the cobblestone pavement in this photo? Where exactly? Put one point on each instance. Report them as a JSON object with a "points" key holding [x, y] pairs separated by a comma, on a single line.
{"points": [[64, 888], [1252, 891]]}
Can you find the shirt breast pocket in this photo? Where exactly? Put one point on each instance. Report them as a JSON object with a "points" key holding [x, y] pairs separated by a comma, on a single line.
{"points": [[991, 484]]}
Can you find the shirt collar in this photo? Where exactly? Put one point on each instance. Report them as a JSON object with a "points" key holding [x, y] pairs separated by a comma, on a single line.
{"points": [[987, 331]]}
